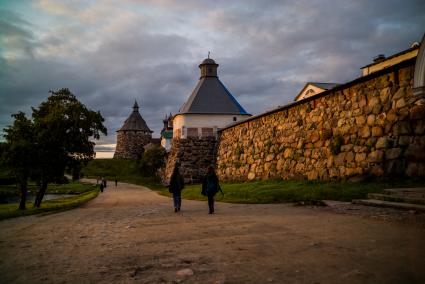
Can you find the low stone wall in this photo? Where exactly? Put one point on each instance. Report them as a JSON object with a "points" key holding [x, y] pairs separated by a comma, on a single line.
{"points": [[194, 156], [371, 126]]}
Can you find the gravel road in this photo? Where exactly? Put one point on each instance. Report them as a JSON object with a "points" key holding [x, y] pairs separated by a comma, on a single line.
{"points": [[129, 234]]}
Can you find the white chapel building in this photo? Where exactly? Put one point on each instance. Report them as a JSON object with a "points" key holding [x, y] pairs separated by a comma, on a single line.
{"points": [[210, 107]]}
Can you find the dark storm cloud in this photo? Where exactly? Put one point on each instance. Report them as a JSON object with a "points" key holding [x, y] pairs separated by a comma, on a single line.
{"points": [[139, 67], [11, 24], [267, 50], [134, 66], [314, 41]]}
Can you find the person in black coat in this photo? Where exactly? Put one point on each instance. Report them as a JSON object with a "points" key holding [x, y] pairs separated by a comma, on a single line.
{"points": [[210, 186], [176, 186]]}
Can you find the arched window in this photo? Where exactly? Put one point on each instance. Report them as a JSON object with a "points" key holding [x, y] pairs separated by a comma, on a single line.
{"points": [[310, 93]]}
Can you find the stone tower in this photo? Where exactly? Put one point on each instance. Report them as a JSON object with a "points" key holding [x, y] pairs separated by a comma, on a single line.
{"points": [[132, 136]]}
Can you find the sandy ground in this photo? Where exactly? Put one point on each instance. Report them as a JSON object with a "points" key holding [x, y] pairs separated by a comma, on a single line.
{"points": [[130, 234]]}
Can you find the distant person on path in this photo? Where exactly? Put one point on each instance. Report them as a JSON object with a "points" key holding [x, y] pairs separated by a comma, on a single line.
{"points": [[176, 186], [101, 187], [210, 186], [116, 182]]}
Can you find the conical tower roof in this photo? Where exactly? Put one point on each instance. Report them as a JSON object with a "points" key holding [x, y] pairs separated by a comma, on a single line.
{"points": [[135, 122], [210, 95]]}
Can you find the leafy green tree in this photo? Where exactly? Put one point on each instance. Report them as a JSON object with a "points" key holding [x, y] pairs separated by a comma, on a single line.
{"points": [[64, 129], [18, 152], [152, 160]]}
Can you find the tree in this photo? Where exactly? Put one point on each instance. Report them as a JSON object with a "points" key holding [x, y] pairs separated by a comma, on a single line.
{"points": [[63, 127], [18, 152], [152, 160]]}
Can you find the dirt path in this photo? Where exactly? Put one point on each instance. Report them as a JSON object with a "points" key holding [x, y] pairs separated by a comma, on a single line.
{"points": [[131, 235]]}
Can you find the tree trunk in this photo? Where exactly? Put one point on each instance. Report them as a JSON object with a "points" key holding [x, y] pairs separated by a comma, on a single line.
{"points": [[76, 173], [24, 190], [40, 194]]}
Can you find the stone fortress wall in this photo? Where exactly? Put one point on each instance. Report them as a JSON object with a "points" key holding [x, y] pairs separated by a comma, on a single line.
{"points": [[194, 155], [373, 125]]}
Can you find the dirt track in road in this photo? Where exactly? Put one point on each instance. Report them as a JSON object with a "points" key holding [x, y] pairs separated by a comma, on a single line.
{"points": [[130, 234]]}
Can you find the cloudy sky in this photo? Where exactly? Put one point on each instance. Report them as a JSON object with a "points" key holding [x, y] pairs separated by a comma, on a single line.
{"points": [[109, 53]]}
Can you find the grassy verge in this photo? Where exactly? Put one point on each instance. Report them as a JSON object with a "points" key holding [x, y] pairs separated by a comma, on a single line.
{"points": [[122, 170], [281, 191], [69, 188], [10, 210], [271, 191]]}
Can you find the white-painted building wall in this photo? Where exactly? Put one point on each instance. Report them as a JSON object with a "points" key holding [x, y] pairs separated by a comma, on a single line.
{"points": [[181, 122], [308, 91], [166, 143]]}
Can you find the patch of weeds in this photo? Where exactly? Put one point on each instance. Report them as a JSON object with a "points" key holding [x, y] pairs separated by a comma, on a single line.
{"points": [[237, 164], [239, 151], [267, 146], [309, 108]]}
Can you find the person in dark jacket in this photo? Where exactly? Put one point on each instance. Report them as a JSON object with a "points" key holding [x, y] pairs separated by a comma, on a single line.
{"points": [[210, 186], [176, 186]]}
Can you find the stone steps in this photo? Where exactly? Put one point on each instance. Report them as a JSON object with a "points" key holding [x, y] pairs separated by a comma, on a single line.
{"points": [[397, 205], [418, 192], [396, 198], [399, 198]]}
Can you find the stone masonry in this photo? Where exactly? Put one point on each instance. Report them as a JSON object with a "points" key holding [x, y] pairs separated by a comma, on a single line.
{"points": [[194, 156], [130, 144], [132, 136], [373, 126]]}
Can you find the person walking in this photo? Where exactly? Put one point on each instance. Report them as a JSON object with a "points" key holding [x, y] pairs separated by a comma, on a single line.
{"points": [[101, 187], [176, 186], [210, 186]]}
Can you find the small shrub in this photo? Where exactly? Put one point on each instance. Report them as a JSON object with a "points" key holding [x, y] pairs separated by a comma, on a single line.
{"points": [[152, 160]]}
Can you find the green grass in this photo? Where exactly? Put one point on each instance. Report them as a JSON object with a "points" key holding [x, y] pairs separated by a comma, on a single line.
{"points": [[280, 191], [70, 188], [123, 170], [110, 168], [271, 191], [60, 204]]}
